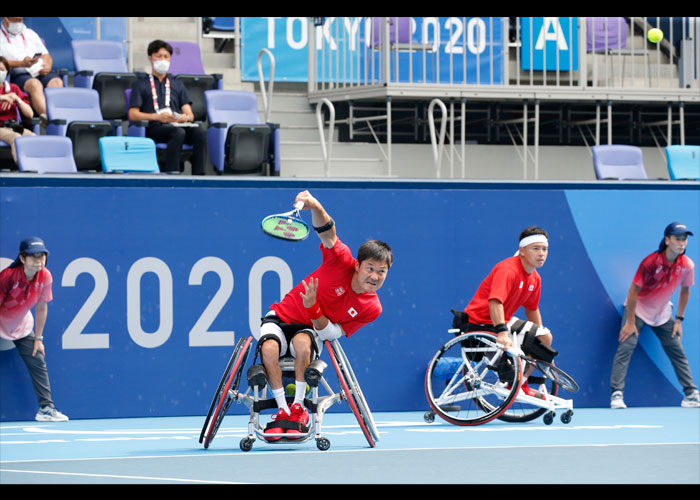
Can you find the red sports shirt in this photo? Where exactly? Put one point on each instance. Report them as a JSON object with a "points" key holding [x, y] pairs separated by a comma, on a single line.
{"points": [[338, 302], [17, 297], [511, 285], [658, 281]]}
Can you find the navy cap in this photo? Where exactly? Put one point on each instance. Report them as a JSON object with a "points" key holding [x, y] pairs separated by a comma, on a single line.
{"points": [[33, 245], [676, 229]]}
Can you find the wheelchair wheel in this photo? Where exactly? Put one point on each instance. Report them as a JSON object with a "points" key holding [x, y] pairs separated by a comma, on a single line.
{"points": [[470, 381], [225, 393], [352, 392], [559, 376]]}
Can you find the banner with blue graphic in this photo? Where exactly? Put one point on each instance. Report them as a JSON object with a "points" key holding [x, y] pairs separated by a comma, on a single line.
{"points": [[549, 43], [445, 49], [155, 280]]}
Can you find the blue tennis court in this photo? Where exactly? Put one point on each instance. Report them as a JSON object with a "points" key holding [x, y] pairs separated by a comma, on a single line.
{"points": [[599, 446]]}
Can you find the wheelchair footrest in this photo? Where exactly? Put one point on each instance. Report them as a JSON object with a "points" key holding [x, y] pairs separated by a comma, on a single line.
{"points": [[287, 425]]}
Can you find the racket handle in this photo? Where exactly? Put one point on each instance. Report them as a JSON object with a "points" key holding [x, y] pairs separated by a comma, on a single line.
{"points": [[299, 205]]}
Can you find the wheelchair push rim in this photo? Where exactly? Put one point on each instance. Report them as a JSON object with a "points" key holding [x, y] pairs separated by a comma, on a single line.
{"points": [[352, 392], [463, 384], [223, 399]]}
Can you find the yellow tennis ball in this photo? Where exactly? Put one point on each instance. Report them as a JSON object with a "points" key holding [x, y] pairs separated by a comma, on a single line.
{"points": [[291, 389], [655, 35]]}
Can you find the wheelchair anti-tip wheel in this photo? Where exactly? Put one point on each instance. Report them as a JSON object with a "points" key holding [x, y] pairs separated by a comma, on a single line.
{"points": [[471, 381], [226, 392], [351, 391]]}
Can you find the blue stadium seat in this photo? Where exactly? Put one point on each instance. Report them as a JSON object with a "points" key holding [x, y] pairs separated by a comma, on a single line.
{"points": [[75, 113], [683, 162], [128, 154], [45, 154], [101, 64], [239, 143], [618, 162]]}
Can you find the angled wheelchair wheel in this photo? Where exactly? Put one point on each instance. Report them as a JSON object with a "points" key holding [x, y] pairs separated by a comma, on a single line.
{"points": [[226, 392], [352, 393], [470, 381], [559, 376]]}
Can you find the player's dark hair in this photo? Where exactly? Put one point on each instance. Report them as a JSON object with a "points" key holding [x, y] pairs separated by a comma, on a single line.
{"points": [[529, 231], [375, 250], [156, 45]]}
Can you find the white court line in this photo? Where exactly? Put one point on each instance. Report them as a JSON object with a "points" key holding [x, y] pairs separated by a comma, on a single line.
{"points": [[115, 476], [267, 452]]}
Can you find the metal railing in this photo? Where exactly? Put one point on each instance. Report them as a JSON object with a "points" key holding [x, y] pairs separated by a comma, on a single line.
{"points": [[529, 60]]}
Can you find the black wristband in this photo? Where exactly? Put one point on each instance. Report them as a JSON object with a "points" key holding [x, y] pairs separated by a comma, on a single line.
{"points": [[325, 227], [679, 318], [501, 327]]}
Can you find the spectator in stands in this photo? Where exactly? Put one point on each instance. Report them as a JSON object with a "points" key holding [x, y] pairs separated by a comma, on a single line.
{"points": [[12, 99], [166, 105], [24, 284], [658, 277], [29, 61]]}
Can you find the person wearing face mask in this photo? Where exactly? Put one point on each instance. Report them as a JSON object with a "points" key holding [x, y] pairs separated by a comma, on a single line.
{"points": [[12, 100], [29, 62], [26, 284], [165, 104]]}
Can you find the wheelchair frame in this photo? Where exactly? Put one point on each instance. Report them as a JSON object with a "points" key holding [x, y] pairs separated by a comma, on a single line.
{"points": [[490, 393], [255, 398]]}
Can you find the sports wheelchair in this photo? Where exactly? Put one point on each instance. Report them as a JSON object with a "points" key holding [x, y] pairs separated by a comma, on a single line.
{"points": [[472, 380], [254, 396]]}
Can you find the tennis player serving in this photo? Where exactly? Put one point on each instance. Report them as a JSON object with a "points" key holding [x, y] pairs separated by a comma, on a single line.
{"points": [[336, 300]]}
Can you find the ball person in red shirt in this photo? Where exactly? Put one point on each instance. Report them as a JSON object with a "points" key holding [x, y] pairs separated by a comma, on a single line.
{"points": [[24, 284], [658, 277], [336, 300]]}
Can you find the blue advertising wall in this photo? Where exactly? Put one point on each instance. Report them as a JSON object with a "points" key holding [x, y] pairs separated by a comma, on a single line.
{"points": [[476, 42], [155, 280]]}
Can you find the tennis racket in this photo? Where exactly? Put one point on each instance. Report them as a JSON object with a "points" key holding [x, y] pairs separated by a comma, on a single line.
{"points": [[287, 226]]}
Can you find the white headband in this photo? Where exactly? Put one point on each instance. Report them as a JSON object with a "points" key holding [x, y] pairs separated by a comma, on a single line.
{"points": [[533, 238]]}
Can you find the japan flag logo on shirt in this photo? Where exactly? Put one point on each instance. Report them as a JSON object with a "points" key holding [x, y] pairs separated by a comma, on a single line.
{"points": [[352, 312]]}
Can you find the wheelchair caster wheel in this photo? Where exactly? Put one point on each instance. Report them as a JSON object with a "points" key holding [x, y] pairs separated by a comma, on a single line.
{"points": [[566, 416], [549, 418], [246, 444], [323, 444], [429, 417]]}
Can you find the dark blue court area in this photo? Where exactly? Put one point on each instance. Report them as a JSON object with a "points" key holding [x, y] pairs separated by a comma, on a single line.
{"points": [[599, 446]]}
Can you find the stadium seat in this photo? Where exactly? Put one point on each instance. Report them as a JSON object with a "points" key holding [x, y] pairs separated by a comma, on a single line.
{"points": [[128, 154], [101, 64], [45, 154], [239, 143], [75, 113], [186, 66], [399, 31], [683, 162], [618, 162], [605, 33]]}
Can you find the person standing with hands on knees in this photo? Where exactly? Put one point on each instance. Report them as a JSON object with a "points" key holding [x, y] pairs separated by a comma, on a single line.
{"points": [[336, 300], [24, 284], [658, 277]]}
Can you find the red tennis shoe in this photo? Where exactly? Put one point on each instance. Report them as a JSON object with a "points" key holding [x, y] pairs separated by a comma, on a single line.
{"points": [[281, 415], [299, 415]]}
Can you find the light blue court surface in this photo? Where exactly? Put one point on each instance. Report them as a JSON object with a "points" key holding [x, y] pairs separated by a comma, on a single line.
{"points": [[599, 446]]}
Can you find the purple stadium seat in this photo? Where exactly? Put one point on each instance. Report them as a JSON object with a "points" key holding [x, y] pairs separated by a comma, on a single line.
{"points": [[618, 162], [45, 154], [597, 33]]}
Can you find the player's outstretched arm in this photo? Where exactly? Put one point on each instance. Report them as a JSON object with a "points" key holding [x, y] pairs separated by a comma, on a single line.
{"points": [[319, 219]]}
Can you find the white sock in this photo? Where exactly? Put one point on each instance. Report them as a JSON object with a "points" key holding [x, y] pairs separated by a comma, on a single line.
{"points": [[300, 392], [278, 394]]}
